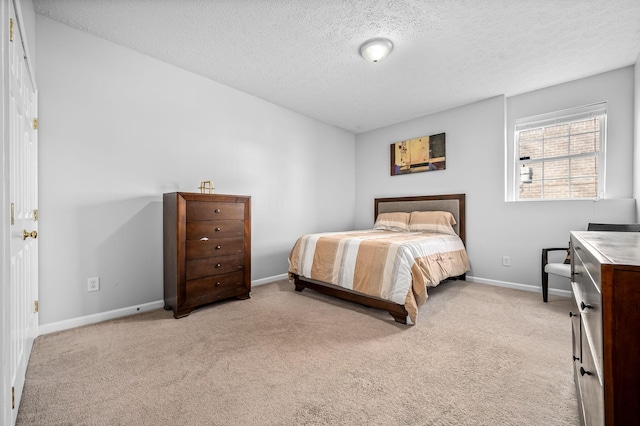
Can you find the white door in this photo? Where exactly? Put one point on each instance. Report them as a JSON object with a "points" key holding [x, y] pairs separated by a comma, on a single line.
{"points": [[23, 184]]}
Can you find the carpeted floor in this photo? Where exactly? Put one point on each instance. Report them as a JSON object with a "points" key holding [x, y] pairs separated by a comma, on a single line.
{"points": [[479, 355]]}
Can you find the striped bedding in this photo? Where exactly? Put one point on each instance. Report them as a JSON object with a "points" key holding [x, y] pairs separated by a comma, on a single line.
{"points": [[394, 266]]}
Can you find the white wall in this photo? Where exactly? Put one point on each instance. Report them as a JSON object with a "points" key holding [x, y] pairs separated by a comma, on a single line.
{"points": [[636, 145], [614, 87], [475, 152], [118, 129]]}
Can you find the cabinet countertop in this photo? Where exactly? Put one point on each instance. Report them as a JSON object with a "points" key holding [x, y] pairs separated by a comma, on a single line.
{"points": [[620, 248]]}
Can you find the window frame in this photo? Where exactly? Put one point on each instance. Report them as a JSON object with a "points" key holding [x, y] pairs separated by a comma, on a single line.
{"points": [[567, 116]]}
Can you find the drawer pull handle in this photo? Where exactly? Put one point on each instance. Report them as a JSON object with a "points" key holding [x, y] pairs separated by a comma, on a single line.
{"points": [[571, 314], [204, 239], [217, 210], [218, 284], [218, 265], [218, 230], [583, 306], [583, 372], [218, 247], [575, 358]]}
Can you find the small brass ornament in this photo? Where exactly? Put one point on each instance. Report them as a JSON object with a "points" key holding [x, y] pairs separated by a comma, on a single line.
{"points": [[206, 187]]}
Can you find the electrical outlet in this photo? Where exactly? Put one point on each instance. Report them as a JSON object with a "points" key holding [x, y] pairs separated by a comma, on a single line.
{"points": [[93, 284], [506, 261]]}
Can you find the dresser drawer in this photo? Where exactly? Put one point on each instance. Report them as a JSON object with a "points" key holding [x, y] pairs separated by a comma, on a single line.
{"points": [[590, 388], [589, 300], [215, 229], [576, 329], [590, 264], [211, 289], [212, 266], [198, 249], [214, 210]]}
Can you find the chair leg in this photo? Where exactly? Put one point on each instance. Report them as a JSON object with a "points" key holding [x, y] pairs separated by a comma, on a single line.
{"points": [[545, 276]]}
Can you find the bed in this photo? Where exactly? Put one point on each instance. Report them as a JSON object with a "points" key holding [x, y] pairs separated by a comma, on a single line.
{"points": [[416, 243]]}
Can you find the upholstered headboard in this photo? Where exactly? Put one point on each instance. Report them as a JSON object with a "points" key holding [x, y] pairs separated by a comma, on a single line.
{"points": [[453, 203]]}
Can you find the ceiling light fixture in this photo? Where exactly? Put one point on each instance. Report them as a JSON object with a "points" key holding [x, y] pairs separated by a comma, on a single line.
{"points": [[376, 49]]}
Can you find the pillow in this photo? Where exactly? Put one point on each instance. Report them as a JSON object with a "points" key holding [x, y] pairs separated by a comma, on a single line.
{"points": [[435, 221], [397, 221]]}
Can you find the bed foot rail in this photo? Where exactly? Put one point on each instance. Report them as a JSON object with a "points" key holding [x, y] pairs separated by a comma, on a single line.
{"points": [[398, 312]]}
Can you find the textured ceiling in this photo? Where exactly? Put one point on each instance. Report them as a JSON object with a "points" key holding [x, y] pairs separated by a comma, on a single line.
{"points": [[303, 54]]}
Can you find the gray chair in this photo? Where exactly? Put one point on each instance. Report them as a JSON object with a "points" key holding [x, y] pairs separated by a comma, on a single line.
{"points": [[563, 269]]}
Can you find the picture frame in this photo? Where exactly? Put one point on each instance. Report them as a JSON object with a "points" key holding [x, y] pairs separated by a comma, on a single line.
{"points": [[421, 154]]}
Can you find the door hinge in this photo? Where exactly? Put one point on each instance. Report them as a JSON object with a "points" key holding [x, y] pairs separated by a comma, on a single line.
{"points": [[13, 397], [10, 29], [35, 123], [35, 215], [13, 213], [35, 306]]}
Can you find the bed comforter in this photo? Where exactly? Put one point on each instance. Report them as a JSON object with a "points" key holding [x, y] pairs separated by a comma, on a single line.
{"points": [[394, 266]]}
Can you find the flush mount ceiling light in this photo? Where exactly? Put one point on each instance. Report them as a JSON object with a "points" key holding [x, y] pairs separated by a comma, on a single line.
{"points": [[376, 49]]}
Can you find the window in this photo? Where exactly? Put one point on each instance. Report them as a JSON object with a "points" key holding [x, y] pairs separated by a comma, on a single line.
{"points": [[560, 155]]}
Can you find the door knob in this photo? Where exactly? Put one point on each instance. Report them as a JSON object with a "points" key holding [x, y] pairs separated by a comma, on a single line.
{"points": [[32, 234]]}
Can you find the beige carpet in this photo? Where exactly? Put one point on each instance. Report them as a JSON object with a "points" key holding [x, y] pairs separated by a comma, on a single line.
{"points": [[479, 355]]}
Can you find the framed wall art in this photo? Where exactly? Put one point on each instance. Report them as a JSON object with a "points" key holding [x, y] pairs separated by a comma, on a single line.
{"points": [[422, 154]]}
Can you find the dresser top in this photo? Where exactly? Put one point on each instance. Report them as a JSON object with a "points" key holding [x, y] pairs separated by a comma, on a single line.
{"points": [[620, 248], [197, 196]]}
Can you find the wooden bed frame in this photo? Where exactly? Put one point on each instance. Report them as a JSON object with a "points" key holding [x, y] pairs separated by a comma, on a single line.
{"points": [[454, 203]]}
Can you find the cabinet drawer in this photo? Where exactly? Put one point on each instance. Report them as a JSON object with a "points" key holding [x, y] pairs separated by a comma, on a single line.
{"points": [[214, 210], [212, 266], [215, 229], [211, 289], [591, 392], [198, 249], [576, 329], [589, 300], [590, 265]]}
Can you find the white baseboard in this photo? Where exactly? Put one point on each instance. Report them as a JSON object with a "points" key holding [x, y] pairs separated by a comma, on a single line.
{"points": [[123, 312], [517, 286], [262, 281], [137, 309], [99, 317]]}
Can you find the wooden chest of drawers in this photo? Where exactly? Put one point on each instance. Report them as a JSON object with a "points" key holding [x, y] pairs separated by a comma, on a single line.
{"points": [[207, 249], [605, 268]]}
